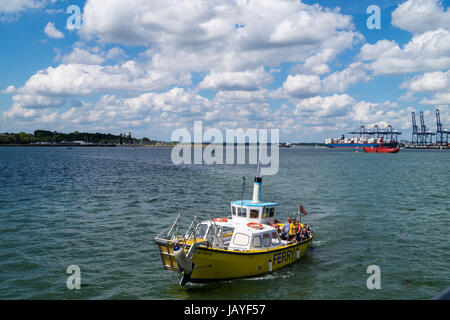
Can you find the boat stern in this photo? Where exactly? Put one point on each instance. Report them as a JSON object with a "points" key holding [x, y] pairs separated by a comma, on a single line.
{"points": [[166, 252]]}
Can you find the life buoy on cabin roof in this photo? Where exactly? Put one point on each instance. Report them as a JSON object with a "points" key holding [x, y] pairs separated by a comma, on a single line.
{"points": [[255, 225]]}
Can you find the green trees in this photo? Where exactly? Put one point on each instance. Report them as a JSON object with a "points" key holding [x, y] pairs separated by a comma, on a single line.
{"points": [[46, 136], [16, 138]]}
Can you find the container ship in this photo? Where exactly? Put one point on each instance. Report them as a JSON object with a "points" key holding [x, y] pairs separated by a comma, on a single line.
{"points": [[356, 143]]}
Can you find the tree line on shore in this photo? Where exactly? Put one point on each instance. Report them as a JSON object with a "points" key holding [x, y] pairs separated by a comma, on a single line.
{"points": [[52, 137], [45, 136]]}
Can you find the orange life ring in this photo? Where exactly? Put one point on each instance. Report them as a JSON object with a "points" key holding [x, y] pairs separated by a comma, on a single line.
{"points": [[255, 225], [221, 219]]}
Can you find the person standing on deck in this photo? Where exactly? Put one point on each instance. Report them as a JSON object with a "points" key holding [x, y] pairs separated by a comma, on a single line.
{"points": [[292, 229], [285, 230]]}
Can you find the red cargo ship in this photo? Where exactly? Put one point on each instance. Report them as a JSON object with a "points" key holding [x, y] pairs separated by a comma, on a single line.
{"points": [[381, 149]]}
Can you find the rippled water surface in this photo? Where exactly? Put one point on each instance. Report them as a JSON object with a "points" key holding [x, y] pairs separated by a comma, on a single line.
{"points": [[100, 209]]}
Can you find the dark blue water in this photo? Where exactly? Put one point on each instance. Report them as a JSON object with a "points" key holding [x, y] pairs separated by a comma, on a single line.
{"points": [[100, 208]]}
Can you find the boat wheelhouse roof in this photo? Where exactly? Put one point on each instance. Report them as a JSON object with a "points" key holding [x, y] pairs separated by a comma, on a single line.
{"points": [[250, 230], [250, 203]]}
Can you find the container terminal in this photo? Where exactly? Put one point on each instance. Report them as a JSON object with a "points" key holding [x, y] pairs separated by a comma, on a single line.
{"points": [[422, 137]]}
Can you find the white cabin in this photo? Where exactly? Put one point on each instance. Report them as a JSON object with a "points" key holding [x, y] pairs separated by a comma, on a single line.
{"points": [[248, 211], [249, 227], [247, 238]]}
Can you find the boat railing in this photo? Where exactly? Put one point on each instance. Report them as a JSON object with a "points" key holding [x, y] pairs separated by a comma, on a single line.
{"points": [[189, 239], [216, 238], [174, 223], [173, 233], [168, 241]]}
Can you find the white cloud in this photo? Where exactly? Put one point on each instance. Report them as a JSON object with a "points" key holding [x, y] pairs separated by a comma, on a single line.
{"points": [[177, 106], [193, 36], [331, 106], [9, 90], [217, 35], [339, 113], [381, 114], [438, 98], [80, 56], [308, 85], [339, 81], [435, 83], [18, 113], [373, 51], [429, 51], [55, 11], [315, 26], [301, 85], [233, 43], [10, 7], [48, 87], [115, 53], [51, 31], [418, 16], [241, 96], [238, 80], [430, 81]]}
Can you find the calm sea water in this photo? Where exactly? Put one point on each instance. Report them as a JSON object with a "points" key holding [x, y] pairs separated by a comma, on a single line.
{"points": [[100, 209]]}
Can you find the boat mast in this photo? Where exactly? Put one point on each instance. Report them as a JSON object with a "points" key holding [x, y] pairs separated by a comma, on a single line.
{"points": [[243, 189], [257, 185]]}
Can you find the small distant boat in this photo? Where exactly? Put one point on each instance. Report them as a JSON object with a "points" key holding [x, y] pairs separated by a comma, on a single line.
{"points": [[381, 149]]}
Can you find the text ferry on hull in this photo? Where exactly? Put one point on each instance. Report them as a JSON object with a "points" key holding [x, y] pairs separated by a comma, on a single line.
{"points": [[244, 244]]}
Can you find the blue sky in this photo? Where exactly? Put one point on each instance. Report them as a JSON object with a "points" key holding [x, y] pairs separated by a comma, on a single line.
{"points": [[311, 69]]}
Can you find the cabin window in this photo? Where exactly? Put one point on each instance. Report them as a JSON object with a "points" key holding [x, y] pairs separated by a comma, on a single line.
{"points": [[242, 212], [266, 212], [257, 242], [227, 232], [233, 211], [241, 239], [275, 239], [266, 238], [254, 213], [272, 212]]}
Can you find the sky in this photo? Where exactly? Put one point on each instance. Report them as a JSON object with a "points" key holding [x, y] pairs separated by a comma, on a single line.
{"points": [[312, 69]]}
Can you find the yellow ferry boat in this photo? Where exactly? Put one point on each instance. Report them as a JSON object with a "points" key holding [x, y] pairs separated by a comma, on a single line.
{"points": [[244, 244]]}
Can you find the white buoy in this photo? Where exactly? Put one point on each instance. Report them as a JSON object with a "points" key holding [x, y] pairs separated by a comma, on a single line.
{"points": [[270, 265], [298, 253]]}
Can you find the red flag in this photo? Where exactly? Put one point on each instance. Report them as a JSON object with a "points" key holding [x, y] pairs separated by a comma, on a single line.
{"points": [[302, 210]]}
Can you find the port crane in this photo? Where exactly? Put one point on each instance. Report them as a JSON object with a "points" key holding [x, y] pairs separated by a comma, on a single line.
{"points": [[424, 137], [426, 134], [441, 134], [387, 134], [415, 133]]}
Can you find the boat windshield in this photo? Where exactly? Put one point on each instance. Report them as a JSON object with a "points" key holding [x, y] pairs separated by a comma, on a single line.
{"points": [[200, 231], [208, 231]]}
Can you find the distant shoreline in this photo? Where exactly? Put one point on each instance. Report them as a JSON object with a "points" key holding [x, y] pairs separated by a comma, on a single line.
{"points": [[71, 145], [85, 145]]}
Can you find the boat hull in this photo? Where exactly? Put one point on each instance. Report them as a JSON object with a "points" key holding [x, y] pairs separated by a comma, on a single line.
{"points": [[350, 145], [381, 150], [212, 264]]}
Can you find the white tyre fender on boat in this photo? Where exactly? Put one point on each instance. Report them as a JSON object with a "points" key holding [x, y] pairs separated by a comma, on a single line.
{"points": [[182, 261]]}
